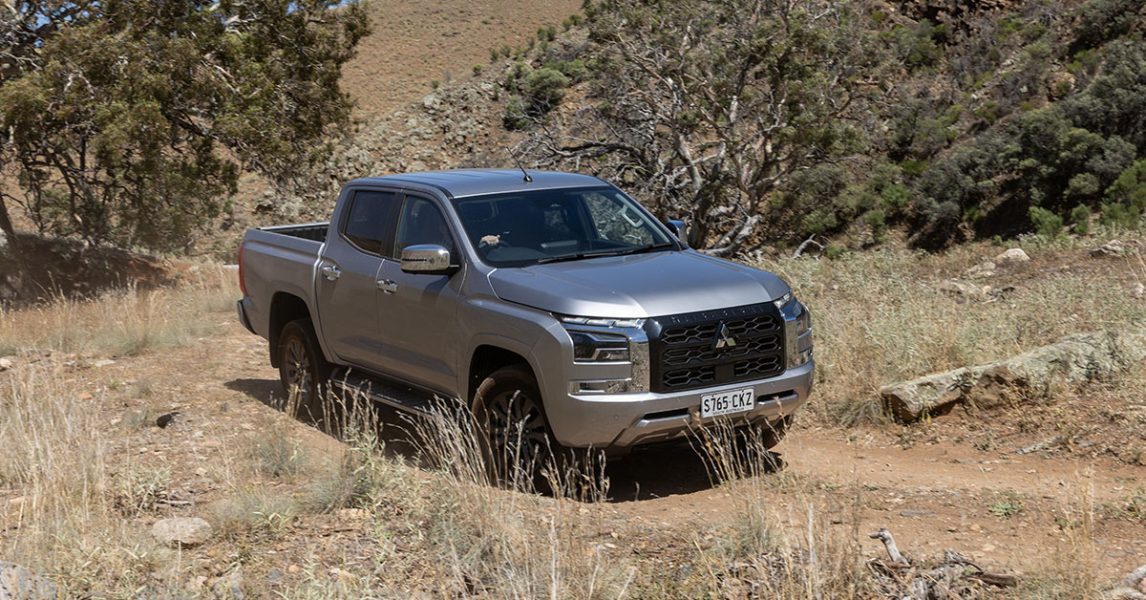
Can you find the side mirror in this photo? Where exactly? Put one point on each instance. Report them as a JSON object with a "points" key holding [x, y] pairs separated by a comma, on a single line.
{"points": [[426, 258], [680, 228]]}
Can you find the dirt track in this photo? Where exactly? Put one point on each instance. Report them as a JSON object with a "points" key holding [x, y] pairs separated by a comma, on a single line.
{"points": [[932, 496]]}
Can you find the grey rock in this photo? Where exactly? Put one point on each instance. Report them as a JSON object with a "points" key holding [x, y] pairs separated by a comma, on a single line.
{"points": [[181, 531], [6, 363], [1073, 359], [1012, 256], [19, 583], [964, 292], [229, 586], [431, 102], [1111, 249], [982, 270]]}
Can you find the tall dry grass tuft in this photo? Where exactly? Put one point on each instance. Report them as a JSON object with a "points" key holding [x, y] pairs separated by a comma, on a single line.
{"points": [[507, 541], [66, 519], [785, 550], [124, 322]]}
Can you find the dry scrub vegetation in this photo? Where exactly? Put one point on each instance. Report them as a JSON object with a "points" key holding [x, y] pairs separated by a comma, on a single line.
{"points": [[367, 519], [880, 316], [124, 322]]}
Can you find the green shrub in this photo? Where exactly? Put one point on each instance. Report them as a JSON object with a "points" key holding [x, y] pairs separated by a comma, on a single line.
{"points": [[1080, 218], [544, 89], [1083, 185], [1103, 20], [477, 70], [515, 116], [1119, 216], [1130, 187], [835, 251], [1047, 224]]}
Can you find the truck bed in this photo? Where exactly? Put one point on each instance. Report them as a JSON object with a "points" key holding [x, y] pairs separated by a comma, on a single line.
{"points": [[279, 259], [308, 231]]}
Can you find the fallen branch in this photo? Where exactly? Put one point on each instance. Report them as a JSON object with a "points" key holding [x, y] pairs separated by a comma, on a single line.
{"points": [[803, 245], [954, 577]]}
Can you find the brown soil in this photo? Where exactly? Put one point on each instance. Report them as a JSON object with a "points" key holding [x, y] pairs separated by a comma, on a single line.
{"points": [[416, 43], [932, 489]]}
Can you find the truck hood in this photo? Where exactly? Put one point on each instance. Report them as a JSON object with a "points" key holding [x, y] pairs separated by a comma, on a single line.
{"points": [[637, 286]]}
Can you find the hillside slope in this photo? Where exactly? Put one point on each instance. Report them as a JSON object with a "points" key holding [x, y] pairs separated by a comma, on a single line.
{"points": [[415, 43]]}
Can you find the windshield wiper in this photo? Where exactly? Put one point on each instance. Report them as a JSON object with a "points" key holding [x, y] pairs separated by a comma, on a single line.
{"points": [[578, 256], [649, 248], [617, 252]]}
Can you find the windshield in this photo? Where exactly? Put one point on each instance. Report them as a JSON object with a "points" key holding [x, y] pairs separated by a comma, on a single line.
{"points": [[524, 228]]}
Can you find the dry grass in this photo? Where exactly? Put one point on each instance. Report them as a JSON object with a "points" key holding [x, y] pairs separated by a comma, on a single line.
{"points": [[430, 521], [124, 322], [879, 317]]}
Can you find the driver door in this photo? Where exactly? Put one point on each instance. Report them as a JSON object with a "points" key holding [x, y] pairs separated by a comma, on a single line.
{"points": [[418, 311]]}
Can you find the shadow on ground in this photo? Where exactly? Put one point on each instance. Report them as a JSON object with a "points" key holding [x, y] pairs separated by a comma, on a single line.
{"points": [[647, 473]]}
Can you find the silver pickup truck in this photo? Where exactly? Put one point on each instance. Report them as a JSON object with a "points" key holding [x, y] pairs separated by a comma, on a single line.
{"points": [[551, 304]]}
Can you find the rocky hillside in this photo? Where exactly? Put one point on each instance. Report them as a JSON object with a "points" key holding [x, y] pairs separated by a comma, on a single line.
{"points": [[943, 119]]}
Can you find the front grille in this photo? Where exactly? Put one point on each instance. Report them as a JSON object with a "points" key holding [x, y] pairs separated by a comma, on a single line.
{"points": [[684, 353]]}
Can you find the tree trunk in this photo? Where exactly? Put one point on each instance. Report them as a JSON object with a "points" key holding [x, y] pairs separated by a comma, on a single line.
{"points": [[11, 267]]}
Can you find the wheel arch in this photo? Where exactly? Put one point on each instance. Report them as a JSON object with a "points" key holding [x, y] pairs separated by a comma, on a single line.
{"points": [[489, 357], [285, 307]]}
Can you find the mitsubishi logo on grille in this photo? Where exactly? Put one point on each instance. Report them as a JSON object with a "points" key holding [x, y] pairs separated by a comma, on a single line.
{"points": [[724, 338]]}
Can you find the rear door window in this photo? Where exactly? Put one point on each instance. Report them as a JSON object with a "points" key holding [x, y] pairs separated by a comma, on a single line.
{"points": [[369, 222]]}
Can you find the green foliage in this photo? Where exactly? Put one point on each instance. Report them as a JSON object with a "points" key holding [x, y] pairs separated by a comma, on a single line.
{"points": [[544, 88], [574, 69], [130, 123], [1103, 20], [478, 69], [918, 45], [1047, 223], [1119, 216], [1080, 218], [516, 116], [1130, 187], [835, 251]]}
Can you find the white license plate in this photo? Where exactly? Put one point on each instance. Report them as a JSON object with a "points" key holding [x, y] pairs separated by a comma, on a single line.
{"points": [[727, 403]]}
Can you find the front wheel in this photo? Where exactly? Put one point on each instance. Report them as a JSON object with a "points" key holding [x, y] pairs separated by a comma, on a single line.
{"points": [[303, 369], [516, 436]]}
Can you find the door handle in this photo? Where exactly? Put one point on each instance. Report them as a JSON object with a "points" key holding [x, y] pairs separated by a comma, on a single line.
{"points": [[330, 272], [388, 285]]}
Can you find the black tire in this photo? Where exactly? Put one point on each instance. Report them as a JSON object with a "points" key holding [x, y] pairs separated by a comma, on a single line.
{"points": [[771, 434], [517, 441], [302, 366]]}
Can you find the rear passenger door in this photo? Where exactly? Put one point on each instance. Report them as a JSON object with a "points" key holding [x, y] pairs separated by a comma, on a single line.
{"points": [[348, 270]]}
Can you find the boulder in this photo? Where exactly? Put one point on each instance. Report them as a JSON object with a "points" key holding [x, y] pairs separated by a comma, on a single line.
{"points": [[1074, 359], [181, 531], [18, 583], [6, 363], [1012, 256]]}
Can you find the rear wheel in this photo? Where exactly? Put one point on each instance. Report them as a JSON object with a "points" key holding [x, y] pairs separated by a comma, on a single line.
{"points": [[303, 369], [517, 439]]}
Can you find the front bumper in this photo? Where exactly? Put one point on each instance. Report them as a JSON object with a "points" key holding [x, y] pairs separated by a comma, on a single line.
{"points": [[618, 422]]}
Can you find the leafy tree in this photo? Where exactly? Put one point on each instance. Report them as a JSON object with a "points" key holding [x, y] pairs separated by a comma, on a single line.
{"points": [[708, 108], [129, 121]]}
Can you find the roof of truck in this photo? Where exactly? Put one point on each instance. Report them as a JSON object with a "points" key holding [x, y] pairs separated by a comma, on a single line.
{"points": [[476, 182]]}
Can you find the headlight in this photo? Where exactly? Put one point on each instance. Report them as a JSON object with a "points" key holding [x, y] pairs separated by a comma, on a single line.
{"points": [[599, 347], [609, 343], [797, 330]]}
